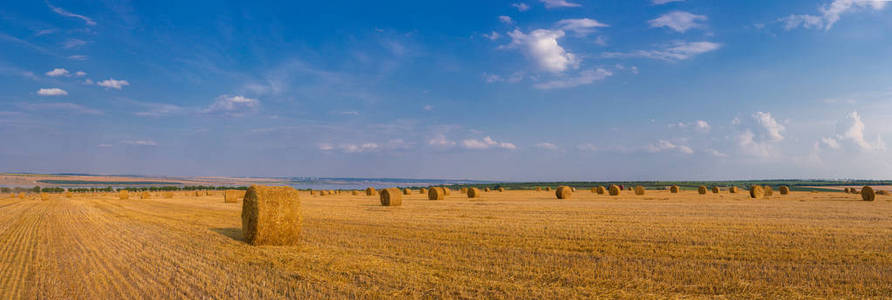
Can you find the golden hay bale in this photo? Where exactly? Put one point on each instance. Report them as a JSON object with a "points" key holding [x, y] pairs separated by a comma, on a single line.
{"points": [[473, 193], [407, 191], [422, 191], [446, 189], [629, 188], [853, 190], [732, 190], [702, 190], [464, 190], [639, 190], [768, 191], [716, 190], [370, 191], [145, 195], [68, 194], [233, 196], [123, 195], [784, 190], [563, 192], [673, 189], [538, 188], [312, 193], [197, 194], [391, 197], [501, 189], [867, 193], [547, 188], [846, 190], [44, 196], [601, 190], [614, 190], [169, 195], [21, 195], [355, 193], [486, 189], [436, 193], [271, 216], [573, 189], [756, 191]]}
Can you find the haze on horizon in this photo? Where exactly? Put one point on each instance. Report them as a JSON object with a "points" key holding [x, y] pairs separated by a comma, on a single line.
{"points": [[500, 90]]}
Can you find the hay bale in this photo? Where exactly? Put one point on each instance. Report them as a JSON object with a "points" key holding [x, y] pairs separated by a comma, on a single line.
{"points": [[407, 191], [732, 190], [756, 192], [145, 195], [564, 192], [884, 193], [271, 216], [446, 189], [198, 193], [233, 196], [169, 195], [701, 189], [68, 194], [464, 190], [867, 193], [601, 190], [355, 193], [538, 188], [629, 188], [312, 193], [548, 189], [21, 195], [768, 191], [501, 189], [784, 190], [370, 191], [44, 196], [436, 193], [614, 190], [474, 193], [639, 190], [391, 197], [673, 189], [573, 189], [123, 194], [486, 189], [846, 190], [854, 191], [422, 191], [716, 190]]}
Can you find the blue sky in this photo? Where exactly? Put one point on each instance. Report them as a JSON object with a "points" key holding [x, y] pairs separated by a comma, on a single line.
{"points": [[515, 90]]}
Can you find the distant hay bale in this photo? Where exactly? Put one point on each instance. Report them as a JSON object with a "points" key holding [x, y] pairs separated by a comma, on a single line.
{"points": [[169, 195], [768, 191], [756, 192], [884, 193], [639, 190], [732, 190], [846, 190], [464, 190], [391, 197], [716, 189], [784, 190], [614, 190], [573, 189], [355, 193], [436, 193], [673, 189], [447, 190], [198, 193], [44, 196], [271, 216], [474, 193], [601, 190], [68, 194], [501, 189], [629, 188], [702, 190], [422, 191], [370, 191], [123, 195], [538, 188], [312, 193], [145, 195], [407, 191], [853, 191], [233, 196], [21, 195], [564, 192], [486, 189], [547, 188], [867, 193]]}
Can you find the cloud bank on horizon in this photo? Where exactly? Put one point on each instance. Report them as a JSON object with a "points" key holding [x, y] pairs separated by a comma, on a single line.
{"points": [[506, 90]]}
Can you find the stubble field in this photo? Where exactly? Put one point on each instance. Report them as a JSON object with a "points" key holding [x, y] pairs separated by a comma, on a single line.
{"points": [[513, 244]]}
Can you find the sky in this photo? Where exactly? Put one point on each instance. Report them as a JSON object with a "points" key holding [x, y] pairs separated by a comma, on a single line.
{"points": [[492, 90]]}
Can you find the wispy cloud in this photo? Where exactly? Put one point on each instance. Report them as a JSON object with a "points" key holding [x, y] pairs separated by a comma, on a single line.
{"points": [[147, 143], [73, 43], [830, 14], [581, 27], [584, 78], [559, 3], [113, 83], [486, 143], [679, 21], [505, 19], [664, 145], [66, 13], [675, 51], [547, 146], [57, 72], [233, 105], [661, 2], [521, 6], [52, 92]]}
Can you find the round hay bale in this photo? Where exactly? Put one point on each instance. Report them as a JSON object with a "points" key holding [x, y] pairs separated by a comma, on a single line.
{"points": [[436, 193], [716, 190], [547, 188], [614, 190], [68, 194], [464, 190], [474, 193], [123, 195], [538, 188], [447, 191], [853, 190], [846, 190], [601, 190], [44, 196], [564, 192], [673, 189], [573, 189], [407, 191], [732, 190], [370, 191], [639, 190], [756, 192], [768, 191], [867, 193], [422, 191], [702, 190], [271, 216], [145, 195], [391, 197], [501, 189], [486, 189], [312, 193], [784, 190]]}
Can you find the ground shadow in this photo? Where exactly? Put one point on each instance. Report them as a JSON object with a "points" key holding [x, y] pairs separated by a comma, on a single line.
{"points": [[231, 232]]}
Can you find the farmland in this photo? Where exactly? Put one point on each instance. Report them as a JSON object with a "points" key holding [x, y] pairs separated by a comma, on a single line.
{"points": [[512, 244]]}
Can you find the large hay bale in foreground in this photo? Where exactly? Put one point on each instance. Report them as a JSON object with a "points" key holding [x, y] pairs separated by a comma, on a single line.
{"points": [[732, 190], [271, 216], [716, 190], [768, 191], [564, 192], [614, 190], [867, 193], [474, 193], [436, 193], [233, 196], [391, 197], [639, 190], [601, 190], [370, 191], [756, 192], [784, 190], [123, 195], [701, 189], [673, 189]]}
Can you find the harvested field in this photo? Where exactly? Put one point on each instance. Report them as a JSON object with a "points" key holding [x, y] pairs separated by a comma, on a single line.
{"points": [[514, 244]]}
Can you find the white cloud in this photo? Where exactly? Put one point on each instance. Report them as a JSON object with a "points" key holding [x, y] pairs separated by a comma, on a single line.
{"points": [[325, 147], [770, 125], [542, 45], [486, 143], [428, 107], [492, 36], [582, 26], [351, 148], [675, 51], [830, 142], [702, 125], [113, 84], [699, 125], [80, 74], [440, 141], [559, 3], [521, 6], [149, 143], [679, 21], [587, 147], [66, 13], [749, 145], [77, 57], [716, 153], [853, 130], [830, 14], [664, 145], [505, 19], [348, 113], [660, 2], [585, 77], [547, 146], [73, 43], [52, 92], [233, 105], [158, 109], [57, 72]]}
